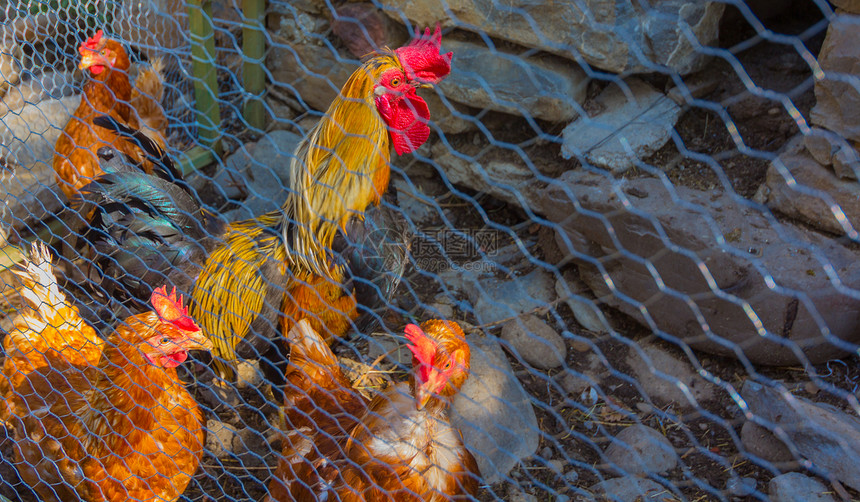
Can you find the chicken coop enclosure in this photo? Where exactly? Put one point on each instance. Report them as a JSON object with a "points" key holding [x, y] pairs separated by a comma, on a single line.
{"points": [[641, 213]]}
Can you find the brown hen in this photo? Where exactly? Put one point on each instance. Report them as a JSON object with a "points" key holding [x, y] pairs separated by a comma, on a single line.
{"points": [[108, 92], [100, 420], [398, 447]]}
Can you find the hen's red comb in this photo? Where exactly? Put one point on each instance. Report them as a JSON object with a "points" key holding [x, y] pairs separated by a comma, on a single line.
{"points": [[169, 308], [421, 58], [422, 348], [92, 43]]}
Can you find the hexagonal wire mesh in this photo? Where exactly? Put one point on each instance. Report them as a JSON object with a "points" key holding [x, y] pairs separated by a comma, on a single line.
{"points": [[641, 214]]}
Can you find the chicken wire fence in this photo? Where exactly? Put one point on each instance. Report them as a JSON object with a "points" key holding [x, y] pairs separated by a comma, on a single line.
{"points": [[641, 213]]}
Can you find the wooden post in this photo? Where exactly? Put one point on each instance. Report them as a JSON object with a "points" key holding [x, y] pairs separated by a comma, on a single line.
{"points": [[204, 73], [254, 51]]}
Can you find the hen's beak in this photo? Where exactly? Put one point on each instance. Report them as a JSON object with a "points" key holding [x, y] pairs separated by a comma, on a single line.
{"points": [[422, 397], [91, 58], [428, 389], [196, 340]]}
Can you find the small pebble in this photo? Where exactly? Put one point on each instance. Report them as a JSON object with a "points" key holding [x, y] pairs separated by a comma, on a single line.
{"points": [[546, 452], [797, 487], [556, 465], [741, 487], [580, 346]]}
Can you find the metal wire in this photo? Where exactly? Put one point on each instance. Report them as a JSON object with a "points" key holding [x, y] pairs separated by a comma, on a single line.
{"points": [[624, 204]]}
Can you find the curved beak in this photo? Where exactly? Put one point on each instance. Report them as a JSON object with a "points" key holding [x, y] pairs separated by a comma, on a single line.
{"points": [[91, 58], [425, 85], [428, 389], [422, 397], [196, 340]]}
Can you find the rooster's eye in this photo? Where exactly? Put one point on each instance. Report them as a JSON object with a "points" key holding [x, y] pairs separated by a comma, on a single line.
{"points": [[395, 81]]}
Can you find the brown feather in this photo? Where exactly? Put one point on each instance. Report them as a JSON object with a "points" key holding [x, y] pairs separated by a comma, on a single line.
{"points": [[342, 447], [110, 93], [92, 419]]}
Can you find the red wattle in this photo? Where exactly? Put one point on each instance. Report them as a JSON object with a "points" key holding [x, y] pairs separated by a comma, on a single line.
{"points": [[174, 360], [406, 116]]}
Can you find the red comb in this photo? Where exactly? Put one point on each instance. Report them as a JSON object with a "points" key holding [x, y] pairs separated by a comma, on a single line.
{"points": [[169, 308], [421, 58], [423, 349], [92, 43]]}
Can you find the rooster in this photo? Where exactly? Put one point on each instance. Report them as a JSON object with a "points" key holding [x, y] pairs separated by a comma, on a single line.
{"points": [[108, 92], [100, 420], [398, 447], [261, 275]]}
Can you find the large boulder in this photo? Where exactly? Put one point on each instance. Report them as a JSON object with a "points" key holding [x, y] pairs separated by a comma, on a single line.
{"points": [[801, 188], [542, 88], [310, 72], [635, 120], [837, 94], [28, 188], [825, 436], [618, 36], [708, 268]]}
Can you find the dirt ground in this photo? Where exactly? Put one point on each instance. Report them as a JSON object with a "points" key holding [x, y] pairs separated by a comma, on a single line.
{"points": [[573, 431]]}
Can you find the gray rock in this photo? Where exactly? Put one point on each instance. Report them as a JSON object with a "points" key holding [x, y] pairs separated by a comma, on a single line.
{"points": [[521, 496], [665, 378], [494, 412], [395, 347], [497, 299], [827, 437], [440, 310], [796, 487], [636, 120], [154, 26], [260, 170], [220, 438], [29, 192], [536, 342], [852, 6], [38, 87], [316, 73], [570, 288], [574, 384], [225, 441], [419, 207], [510, 180], [630, 488], [363, 28], [449, 116], [248, 374], [783, 195], [830, 149], [641, 450], [837, 97], [611, 35], [220, 397], [741, 487], [302, 62], [753, 245], [510, 83], [763, 443]]}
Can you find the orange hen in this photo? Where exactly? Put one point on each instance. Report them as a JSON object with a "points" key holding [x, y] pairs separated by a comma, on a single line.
{"points": [[398, 447], [100, 420], [108, 92]]}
